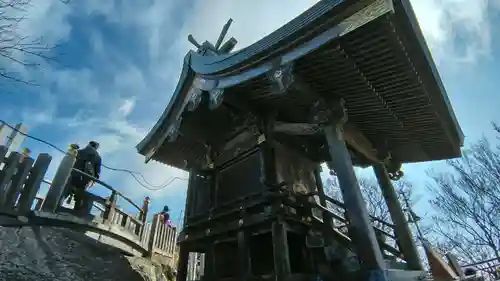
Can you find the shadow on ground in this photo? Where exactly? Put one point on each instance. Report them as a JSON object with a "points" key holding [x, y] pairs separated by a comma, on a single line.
{"points": [[46, 253]]}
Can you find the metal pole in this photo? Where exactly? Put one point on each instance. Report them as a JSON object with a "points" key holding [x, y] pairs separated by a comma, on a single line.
{"points": [[413, 218]]}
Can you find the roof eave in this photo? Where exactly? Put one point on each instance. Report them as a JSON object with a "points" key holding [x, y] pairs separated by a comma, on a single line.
{"points": [[148, 145]]}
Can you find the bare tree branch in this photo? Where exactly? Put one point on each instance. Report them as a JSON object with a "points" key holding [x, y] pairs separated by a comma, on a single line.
{"points": [[19, 52], [467, 201]]}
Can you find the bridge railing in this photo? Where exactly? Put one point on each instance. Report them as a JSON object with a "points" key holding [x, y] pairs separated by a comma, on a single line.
{"points": [[21, 178]]}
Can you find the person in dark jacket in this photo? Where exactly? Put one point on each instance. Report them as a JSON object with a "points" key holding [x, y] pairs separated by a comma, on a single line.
{"points": [[88, 161]]}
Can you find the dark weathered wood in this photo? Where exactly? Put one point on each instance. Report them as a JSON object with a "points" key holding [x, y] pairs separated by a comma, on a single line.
{"points": [[327, 216], [360, 227], [188, 210], [13, 190], [401, 228], [6, 174], [56, 190], [209, 268], [281, 254], [182, 263], [243, 256]]}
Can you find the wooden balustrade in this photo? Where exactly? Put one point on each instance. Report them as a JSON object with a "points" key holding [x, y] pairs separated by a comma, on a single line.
{"points": [[22, 177], [161, 238]]}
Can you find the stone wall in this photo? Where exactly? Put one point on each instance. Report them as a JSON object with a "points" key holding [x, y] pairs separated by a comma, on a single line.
{"points": [[45, 253]]}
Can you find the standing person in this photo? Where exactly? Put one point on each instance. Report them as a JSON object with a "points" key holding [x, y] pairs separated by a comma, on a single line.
{"points": [[88, 161], [166, 216], [145, 209]]}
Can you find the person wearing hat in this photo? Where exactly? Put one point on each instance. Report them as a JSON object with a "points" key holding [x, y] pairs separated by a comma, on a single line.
{"points": [[88, 161], [166, 216]]}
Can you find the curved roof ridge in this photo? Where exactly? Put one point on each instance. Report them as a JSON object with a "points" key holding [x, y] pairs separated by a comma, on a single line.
{"points": [[158, 127]]}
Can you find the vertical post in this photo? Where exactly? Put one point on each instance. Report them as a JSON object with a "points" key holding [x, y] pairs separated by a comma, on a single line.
{"points": [[109, 213], [143, 214], [17, 183], [401, 228], [281, 255], [243, 256], [213, 188], [32, 184], [270, 178], [209, 266], [189, 196], [9, 169], [56, 190], [360, 227], [182, 263]]}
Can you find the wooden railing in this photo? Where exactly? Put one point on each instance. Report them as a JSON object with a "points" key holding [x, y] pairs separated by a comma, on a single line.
{"points": [[489, 269], [162, 238], [330, 211], [21, 178]]}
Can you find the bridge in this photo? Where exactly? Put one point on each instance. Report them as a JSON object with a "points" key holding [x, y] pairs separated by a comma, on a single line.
{"points": [[21, 178]]}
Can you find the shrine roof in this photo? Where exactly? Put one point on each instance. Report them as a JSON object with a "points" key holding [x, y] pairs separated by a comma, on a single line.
{"points": [[370, 53]]}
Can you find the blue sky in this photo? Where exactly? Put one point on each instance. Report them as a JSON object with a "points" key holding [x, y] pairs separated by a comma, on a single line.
{"points": [[122, 61]]}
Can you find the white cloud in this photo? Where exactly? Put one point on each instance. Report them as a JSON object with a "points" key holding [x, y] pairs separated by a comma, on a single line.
{"points": [[126, 107], [457, 31], [119, 112]]}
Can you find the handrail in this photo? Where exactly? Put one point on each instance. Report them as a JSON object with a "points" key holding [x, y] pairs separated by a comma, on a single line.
{"points": [[341, 205], [109, 188]]}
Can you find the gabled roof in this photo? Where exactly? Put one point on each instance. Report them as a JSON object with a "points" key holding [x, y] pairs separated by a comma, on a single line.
{"points": [[374, 48]]}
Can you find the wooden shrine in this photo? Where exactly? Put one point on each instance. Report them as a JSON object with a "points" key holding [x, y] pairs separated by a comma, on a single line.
{"points": [[347, 83]]}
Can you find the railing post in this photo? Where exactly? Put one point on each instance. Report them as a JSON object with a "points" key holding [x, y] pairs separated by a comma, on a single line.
{"points": [[109, 213], [6, 174], [13, 190], [155, 226], [56, 190], [32, 184]]}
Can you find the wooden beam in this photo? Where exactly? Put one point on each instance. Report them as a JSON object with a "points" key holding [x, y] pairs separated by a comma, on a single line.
{"points": [[352, 135]]}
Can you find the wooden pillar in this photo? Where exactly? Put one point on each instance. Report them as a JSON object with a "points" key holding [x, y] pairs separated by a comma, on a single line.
{"points": [[360, 227], [56, 190], [213, 188], [401, 228], [282, 268], [244, 263], [188, 207], [33, 182], [182, 263], [280, 248], [3, 152], [209, 264]]}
